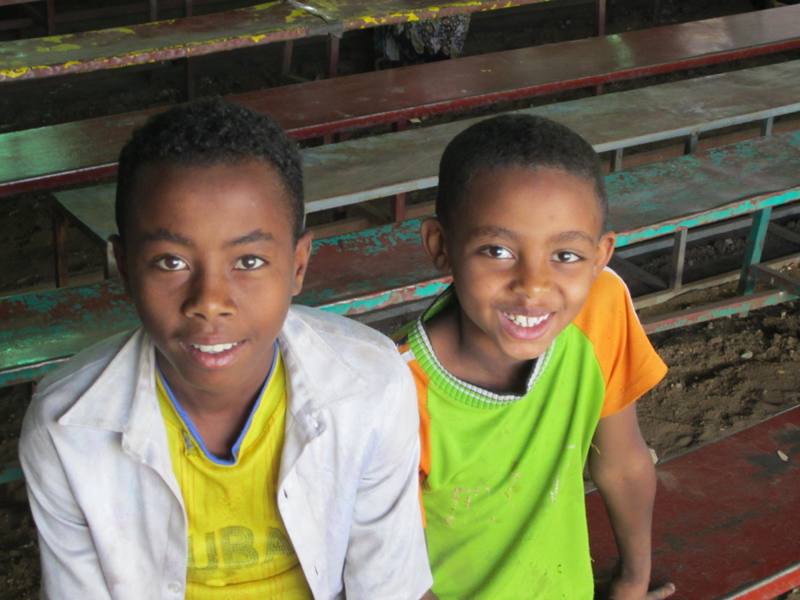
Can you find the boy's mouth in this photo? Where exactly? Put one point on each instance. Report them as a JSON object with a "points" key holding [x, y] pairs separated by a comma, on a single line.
{"points": [[214, 348], [526, 327], [213, 356]]}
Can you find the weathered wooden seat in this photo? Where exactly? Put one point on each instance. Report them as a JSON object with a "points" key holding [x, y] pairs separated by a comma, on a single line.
{"points": [[364, 271], [86, 151], [374, 167], [725, 514]]}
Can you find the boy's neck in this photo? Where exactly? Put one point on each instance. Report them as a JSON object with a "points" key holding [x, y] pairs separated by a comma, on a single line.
{"points": [[218, 417], [455, 348]]}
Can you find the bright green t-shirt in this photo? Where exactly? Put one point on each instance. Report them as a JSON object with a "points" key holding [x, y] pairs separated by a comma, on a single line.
{"points": [[502, 475]]}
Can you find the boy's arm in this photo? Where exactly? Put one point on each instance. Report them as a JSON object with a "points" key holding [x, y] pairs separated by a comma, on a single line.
{"points": [[622, 468], [70, 567], [386, 555]]}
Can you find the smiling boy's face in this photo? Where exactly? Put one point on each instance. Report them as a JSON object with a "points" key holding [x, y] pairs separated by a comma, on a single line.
{"points": [[210, 261], [523, 252]]}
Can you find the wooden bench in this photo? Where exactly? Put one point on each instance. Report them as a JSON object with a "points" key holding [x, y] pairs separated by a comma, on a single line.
{"points": [[368, 168], [86, 151], [200, 35], [724, 518], [364, 271]]}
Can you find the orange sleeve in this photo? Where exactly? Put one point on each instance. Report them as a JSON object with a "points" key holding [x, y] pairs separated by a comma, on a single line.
{"points": [[629, 363], [421, 382]]}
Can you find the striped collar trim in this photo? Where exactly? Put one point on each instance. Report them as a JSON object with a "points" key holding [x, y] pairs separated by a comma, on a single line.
{"points": [[456, 388]]}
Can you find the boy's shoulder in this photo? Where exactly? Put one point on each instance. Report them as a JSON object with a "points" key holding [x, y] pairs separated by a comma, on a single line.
{"points": [[358, 345], [60, 389]]}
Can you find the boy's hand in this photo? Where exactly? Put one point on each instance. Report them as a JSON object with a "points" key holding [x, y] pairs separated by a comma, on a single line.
{"points": [[621, 590]]}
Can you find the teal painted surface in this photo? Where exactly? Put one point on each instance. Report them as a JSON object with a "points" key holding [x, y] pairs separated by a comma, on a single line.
{"points": [[754, 248], [9, 474]]}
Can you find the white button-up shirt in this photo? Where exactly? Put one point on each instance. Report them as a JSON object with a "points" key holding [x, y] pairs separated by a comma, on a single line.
{"points": [[109, 510]]}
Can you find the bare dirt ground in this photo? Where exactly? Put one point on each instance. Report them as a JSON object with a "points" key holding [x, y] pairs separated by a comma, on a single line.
{"points": [[724, 376]]}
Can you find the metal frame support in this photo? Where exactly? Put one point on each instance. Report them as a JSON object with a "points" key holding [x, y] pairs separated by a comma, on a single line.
{"points": [[333, 53], [616, 160], [399, 200], [60, 247], [656, 12], [754, 248], [766, 126], [678, 258], [187, 8], [691, 143], [286, 60], [188, 71], [153, 10], [50, 16], [601, 17]]}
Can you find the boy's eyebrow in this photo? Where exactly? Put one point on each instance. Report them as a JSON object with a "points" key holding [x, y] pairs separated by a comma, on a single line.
{"points": [[569, 236], [492, 231], [165, 235], [254, 236]]}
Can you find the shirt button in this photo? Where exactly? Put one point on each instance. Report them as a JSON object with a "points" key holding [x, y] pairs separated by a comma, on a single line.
{"points": [[174, 588]]}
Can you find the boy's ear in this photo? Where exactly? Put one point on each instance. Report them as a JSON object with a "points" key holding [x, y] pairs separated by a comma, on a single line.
{"points": [[120, 258], [434, 241], [605, 250], [302, 256]]}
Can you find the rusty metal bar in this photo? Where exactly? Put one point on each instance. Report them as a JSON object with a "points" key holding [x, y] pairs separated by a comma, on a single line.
{"points": [[739, 305], [754, 248], [772, 587]]}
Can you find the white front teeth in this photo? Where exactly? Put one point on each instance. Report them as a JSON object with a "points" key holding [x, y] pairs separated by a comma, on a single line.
{"points": [[214, 348], [525, 321]]}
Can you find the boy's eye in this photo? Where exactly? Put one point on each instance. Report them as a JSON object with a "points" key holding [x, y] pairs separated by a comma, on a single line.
{"points": [[248, 263], [171, 263], [565, 256], [498, 252]]}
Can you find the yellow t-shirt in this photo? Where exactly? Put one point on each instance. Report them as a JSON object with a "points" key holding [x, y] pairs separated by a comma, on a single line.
{"points": [[238, 546]]}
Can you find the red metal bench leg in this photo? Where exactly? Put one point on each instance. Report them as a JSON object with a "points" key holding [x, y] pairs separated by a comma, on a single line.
{"points": [[51, 16], [601, 17], [60, 247], [333, 54], [286, 65]]}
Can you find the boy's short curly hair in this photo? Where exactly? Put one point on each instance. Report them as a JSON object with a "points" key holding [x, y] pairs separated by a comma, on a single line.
{"points": [[509, 141], [207, 132]]}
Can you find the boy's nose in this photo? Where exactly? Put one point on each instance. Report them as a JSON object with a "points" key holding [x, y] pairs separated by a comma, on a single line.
{"points": [[533, 278], [209, 298]]}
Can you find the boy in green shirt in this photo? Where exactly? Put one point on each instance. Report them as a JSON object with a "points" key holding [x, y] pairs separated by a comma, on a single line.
{"points": [[530, 363]]}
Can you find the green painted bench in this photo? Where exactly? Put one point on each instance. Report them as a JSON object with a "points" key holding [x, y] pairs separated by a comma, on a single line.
{"points": [[357, 273], [86, 151]]}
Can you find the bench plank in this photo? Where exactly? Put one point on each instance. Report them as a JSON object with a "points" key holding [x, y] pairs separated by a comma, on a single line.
{"points": [[368, 168], [380, 267], [725, 515], [206, 34], [72, 153]]}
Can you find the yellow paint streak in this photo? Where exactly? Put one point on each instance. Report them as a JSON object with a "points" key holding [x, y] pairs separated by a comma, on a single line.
{"points": [[13, 73], [260, 7], [58, 48], [71, 63], [258, 38], [295, 14], [126, 30]]}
